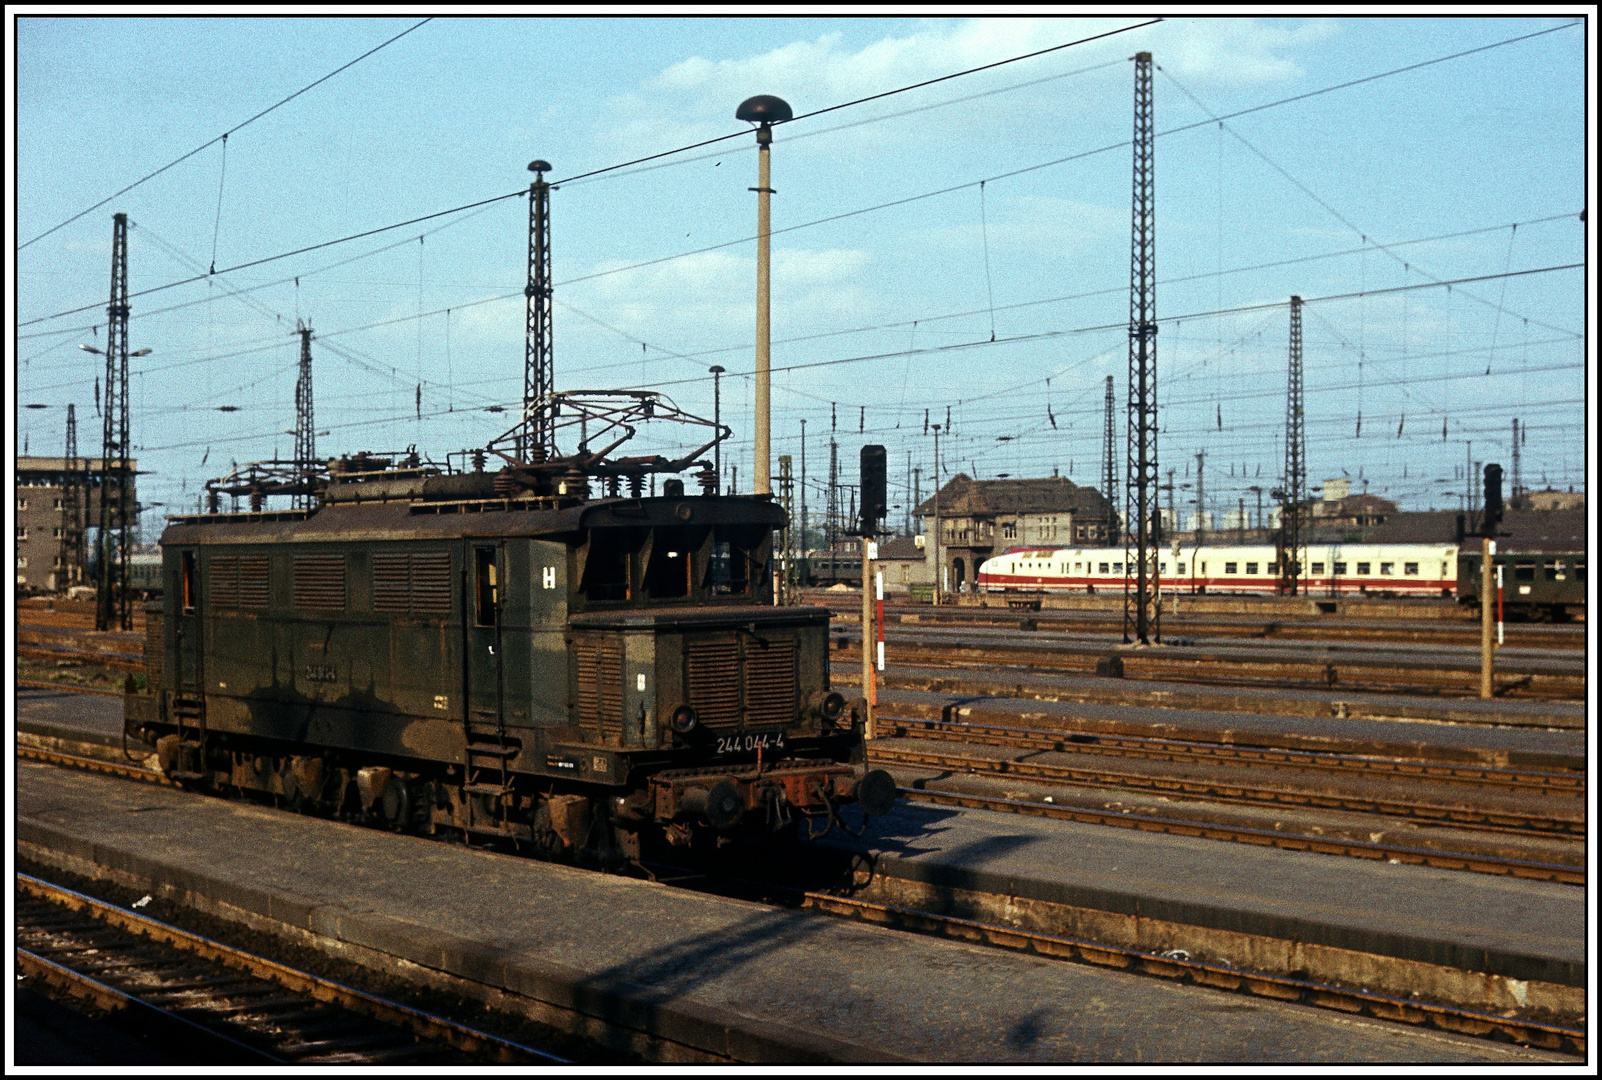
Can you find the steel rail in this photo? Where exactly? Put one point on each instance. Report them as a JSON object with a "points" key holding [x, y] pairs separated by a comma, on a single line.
{"points": [[423, 1025], [119, 769], [1327, 845], [1225, 791], [1159, 749], [1442, 683], [1218, 976], [42, 684]]}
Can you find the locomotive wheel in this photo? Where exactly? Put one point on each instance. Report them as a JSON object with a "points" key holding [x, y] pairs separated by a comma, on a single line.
{"points": [[396, 804]]}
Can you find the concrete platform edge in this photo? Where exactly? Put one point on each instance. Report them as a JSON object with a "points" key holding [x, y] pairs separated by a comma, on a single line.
{"points": [[1438, 953], [682, 1023]]}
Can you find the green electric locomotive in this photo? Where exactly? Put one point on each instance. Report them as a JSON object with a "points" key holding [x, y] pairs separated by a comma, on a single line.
{"points": [[465, 653]]}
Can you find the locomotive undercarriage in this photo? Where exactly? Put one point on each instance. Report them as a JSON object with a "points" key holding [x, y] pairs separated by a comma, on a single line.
{"points": [[685, 808]]}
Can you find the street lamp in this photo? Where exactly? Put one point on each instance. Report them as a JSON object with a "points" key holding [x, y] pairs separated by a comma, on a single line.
{"points": [[98, 352], [764, 110], [717, 421]]}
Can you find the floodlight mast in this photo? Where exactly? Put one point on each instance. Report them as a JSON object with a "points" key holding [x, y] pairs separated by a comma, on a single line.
{"points": [[764, 110]]}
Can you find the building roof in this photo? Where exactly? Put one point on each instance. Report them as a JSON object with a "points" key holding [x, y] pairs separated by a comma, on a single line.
{"points": [[86, 462], [901, 547], [1525, 530], [963, 496], [1363, 505]]}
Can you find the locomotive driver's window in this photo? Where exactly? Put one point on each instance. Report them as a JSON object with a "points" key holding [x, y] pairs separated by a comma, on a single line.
{"points": [[189, 581], [487, 586]]}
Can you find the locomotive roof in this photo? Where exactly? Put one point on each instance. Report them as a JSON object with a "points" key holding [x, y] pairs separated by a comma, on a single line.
{"points": [[405, 520]]}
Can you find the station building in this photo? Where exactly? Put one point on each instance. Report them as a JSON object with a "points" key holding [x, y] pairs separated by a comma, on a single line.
{"points": [[43, 529], [981, 518]]}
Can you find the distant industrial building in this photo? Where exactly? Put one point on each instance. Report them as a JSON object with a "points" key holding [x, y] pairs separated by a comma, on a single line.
{"points": [[1553, 500], [43, 528]]}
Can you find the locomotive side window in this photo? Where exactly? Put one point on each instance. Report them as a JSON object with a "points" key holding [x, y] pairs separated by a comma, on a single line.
{"points": [[488, 590], [188, 572], [1524, 571], [1554, 570]]}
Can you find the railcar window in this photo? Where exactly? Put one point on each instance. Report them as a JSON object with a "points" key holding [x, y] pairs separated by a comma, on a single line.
{"points": [[1524, 571], [1387, 568], [671, 568], [1181, 568], [1162, 568], [1579, 569], [1554, 570], [1118, 567], [488, 586], [1104, 568], [1363, 568], [606, 565], [189, 581], [1251, 568], [1231, 568], [1318, 568], [1410, 568], [1340, 568]]}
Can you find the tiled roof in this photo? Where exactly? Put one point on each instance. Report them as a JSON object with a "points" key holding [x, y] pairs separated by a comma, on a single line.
{"points": [[965, 497]]}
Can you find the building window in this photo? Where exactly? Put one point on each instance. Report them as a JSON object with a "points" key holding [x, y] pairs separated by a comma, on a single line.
{"points": [[1410, 568], [58, 532], [22, 562], [22, 504], [1387, 569], [22, 532], [1318, 568], [57, 506], [1231, 568], [1340, 568], [1362, 568], [1009, 530]]}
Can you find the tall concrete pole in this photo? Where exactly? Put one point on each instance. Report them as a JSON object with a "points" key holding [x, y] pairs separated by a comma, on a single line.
{"points": [[765, 111]]}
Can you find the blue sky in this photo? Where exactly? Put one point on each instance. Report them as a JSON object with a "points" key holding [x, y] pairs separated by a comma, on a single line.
{"points": [[1406, 180]]}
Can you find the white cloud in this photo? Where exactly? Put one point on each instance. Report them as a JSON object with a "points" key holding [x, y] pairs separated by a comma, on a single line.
{"points": [[1236, 52]]}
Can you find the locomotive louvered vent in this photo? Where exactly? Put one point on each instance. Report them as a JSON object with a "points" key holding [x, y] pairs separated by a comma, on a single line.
{"points": [[412, 584], [155, 644], [320, 582], [253, 582], [224, 582], [600, 684], [724, 670]]}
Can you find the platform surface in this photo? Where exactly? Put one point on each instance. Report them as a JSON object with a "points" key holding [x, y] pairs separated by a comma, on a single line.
{"points": [[725, 976]]}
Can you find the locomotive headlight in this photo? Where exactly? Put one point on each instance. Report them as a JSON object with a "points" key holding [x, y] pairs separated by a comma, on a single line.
{"points": [[684, 719], [827, 704]]}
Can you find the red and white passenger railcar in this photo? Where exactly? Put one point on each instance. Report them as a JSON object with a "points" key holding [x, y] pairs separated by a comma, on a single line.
{"points": [[1328, 569]]}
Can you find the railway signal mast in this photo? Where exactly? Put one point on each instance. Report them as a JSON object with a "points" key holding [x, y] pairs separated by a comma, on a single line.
{"points": [[537, 439], [72, 507], [1291, 532], [305, 496], [1142, 606], [116, 540]]}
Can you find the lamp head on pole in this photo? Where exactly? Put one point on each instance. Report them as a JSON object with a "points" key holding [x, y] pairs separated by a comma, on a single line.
{"points": [[764, 110]]}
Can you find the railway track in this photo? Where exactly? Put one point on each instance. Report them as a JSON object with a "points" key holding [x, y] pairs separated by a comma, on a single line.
{"points": [[1221, 790], [1009, 662], [1171, 966], [1268, 629], [1160, 749], [229, 1005], [1176, 966], [1326, 845]]}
